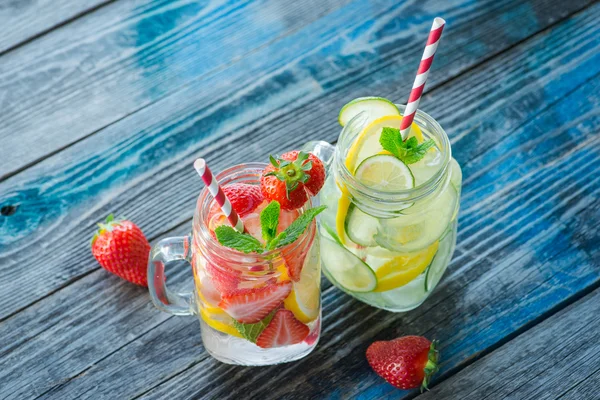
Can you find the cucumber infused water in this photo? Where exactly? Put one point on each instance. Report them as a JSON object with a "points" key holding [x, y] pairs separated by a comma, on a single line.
{"points": [[389, 230]]}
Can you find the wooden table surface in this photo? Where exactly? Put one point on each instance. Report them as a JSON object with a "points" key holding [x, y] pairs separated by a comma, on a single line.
{"points": [[104, 104]]}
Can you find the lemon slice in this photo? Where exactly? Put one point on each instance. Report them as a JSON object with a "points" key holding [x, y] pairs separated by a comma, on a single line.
{"points": [[305, 298], [402, 269], [219, 323]]}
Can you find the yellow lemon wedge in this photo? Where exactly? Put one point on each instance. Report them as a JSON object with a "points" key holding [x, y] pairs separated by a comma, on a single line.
{"points": [[402, 269], [305, 298], [218, 323]]}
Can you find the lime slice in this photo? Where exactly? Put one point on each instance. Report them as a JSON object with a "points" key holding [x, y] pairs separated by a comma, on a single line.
{"points": [[374, 107], [367, 142], [386, 173], [403, 269], [347, 270]]}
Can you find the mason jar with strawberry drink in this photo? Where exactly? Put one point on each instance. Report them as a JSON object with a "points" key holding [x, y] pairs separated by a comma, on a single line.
{"points": [[254, 250]]}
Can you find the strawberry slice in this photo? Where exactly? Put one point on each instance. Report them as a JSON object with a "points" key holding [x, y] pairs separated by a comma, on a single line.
{"points": [[284, 329], [225, 280], [294, 259], [249, 306], [244, 198]]}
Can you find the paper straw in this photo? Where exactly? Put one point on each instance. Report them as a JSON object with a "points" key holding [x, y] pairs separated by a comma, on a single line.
{"points": [[215, 190], [417, 89]]}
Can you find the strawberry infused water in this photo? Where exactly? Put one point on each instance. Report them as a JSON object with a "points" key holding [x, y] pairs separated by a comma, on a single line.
{"points": [[256, 263]]}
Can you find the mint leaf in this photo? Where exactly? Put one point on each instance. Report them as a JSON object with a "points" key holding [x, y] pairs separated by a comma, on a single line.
{"points": [[409, 151], [252, 331], [233, 239], [269, 219], [418, 151], [296, 228]]}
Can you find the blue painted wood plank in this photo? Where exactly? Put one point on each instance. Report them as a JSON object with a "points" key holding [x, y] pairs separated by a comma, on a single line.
{"points": [[310, 74], [124, 57], [546, 362], [535, 265], [22, 21]]}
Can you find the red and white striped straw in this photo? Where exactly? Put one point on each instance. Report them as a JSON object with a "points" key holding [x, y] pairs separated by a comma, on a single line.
{"points": [[215, 190], [417, 89]]}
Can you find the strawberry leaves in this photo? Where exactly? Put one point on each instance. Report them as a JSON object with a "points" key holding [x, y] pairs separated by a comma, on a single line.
{"points": [[409, 151]]}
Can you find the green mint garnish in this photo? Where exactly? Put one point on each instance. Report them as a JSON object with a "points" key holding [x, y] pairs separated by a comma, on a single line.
{"points": [[243, 242], [252, 331], [296, 228], [269, 219], [409, 151]]}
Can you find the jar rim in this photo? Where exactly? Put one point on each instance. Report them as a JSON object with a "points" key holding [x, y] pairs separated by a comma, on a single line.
{"points": [[200, 229], [401, 195]]}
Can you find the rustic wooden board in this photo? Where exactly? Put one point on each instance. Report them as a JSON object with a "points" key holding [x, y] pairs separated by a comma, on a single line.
{"points": [[553, 360], [542, 268], [23, 21], [123, 57], [140, 165]]}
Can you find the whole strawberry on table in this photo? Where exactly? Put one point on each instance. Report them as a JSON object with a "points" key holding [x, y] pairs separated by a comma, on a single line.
{"points": [[407, 362], [121, 248]]}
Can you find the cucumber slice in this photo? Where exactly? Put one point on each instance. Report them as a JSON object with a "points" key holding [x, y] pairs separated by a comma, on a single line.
{"points": [[331, 233], [360, 226], [412, 232], [385, 172], [441, 260], [374, 107], [347, 270]]}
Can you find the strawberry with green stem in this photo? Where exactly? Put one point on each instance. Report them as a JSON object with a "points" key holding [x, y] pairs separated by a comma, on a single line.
{"points": [[291, 178], [121, 248], [406, 363]]}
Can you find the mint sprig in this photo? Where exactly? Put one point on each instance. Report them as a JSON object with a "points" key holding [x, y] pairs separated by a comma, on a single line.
{"points": [[409, 151], [251, 332], [233, 239], [296, 228], [269, 220]]}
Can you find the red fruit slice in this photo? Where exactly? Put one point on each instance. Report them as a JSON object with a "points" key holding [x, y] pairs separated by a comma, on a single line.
{"points": [[225, 280], [251, 305], [244, 198], [294, 259], [312, 338], [209, 291], [283, 330]]}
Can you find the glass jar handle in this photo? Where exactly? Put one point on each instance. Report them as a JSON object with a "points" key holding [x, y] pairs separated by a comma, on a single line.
{"points": [[169, 249], [321, 149]]}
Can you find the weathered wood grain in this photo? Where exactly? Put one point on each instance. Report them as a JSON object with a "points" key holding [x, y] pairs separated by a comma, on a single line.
{"points": [[123, 57], [546, 362], [533, 265], [140, 166], [24, 20], [488, 295]]}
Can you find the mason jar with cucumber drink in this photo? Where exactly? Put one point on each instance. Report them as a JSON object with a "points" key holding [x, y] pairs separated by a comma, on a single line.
{"points": [[389, 230]]}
